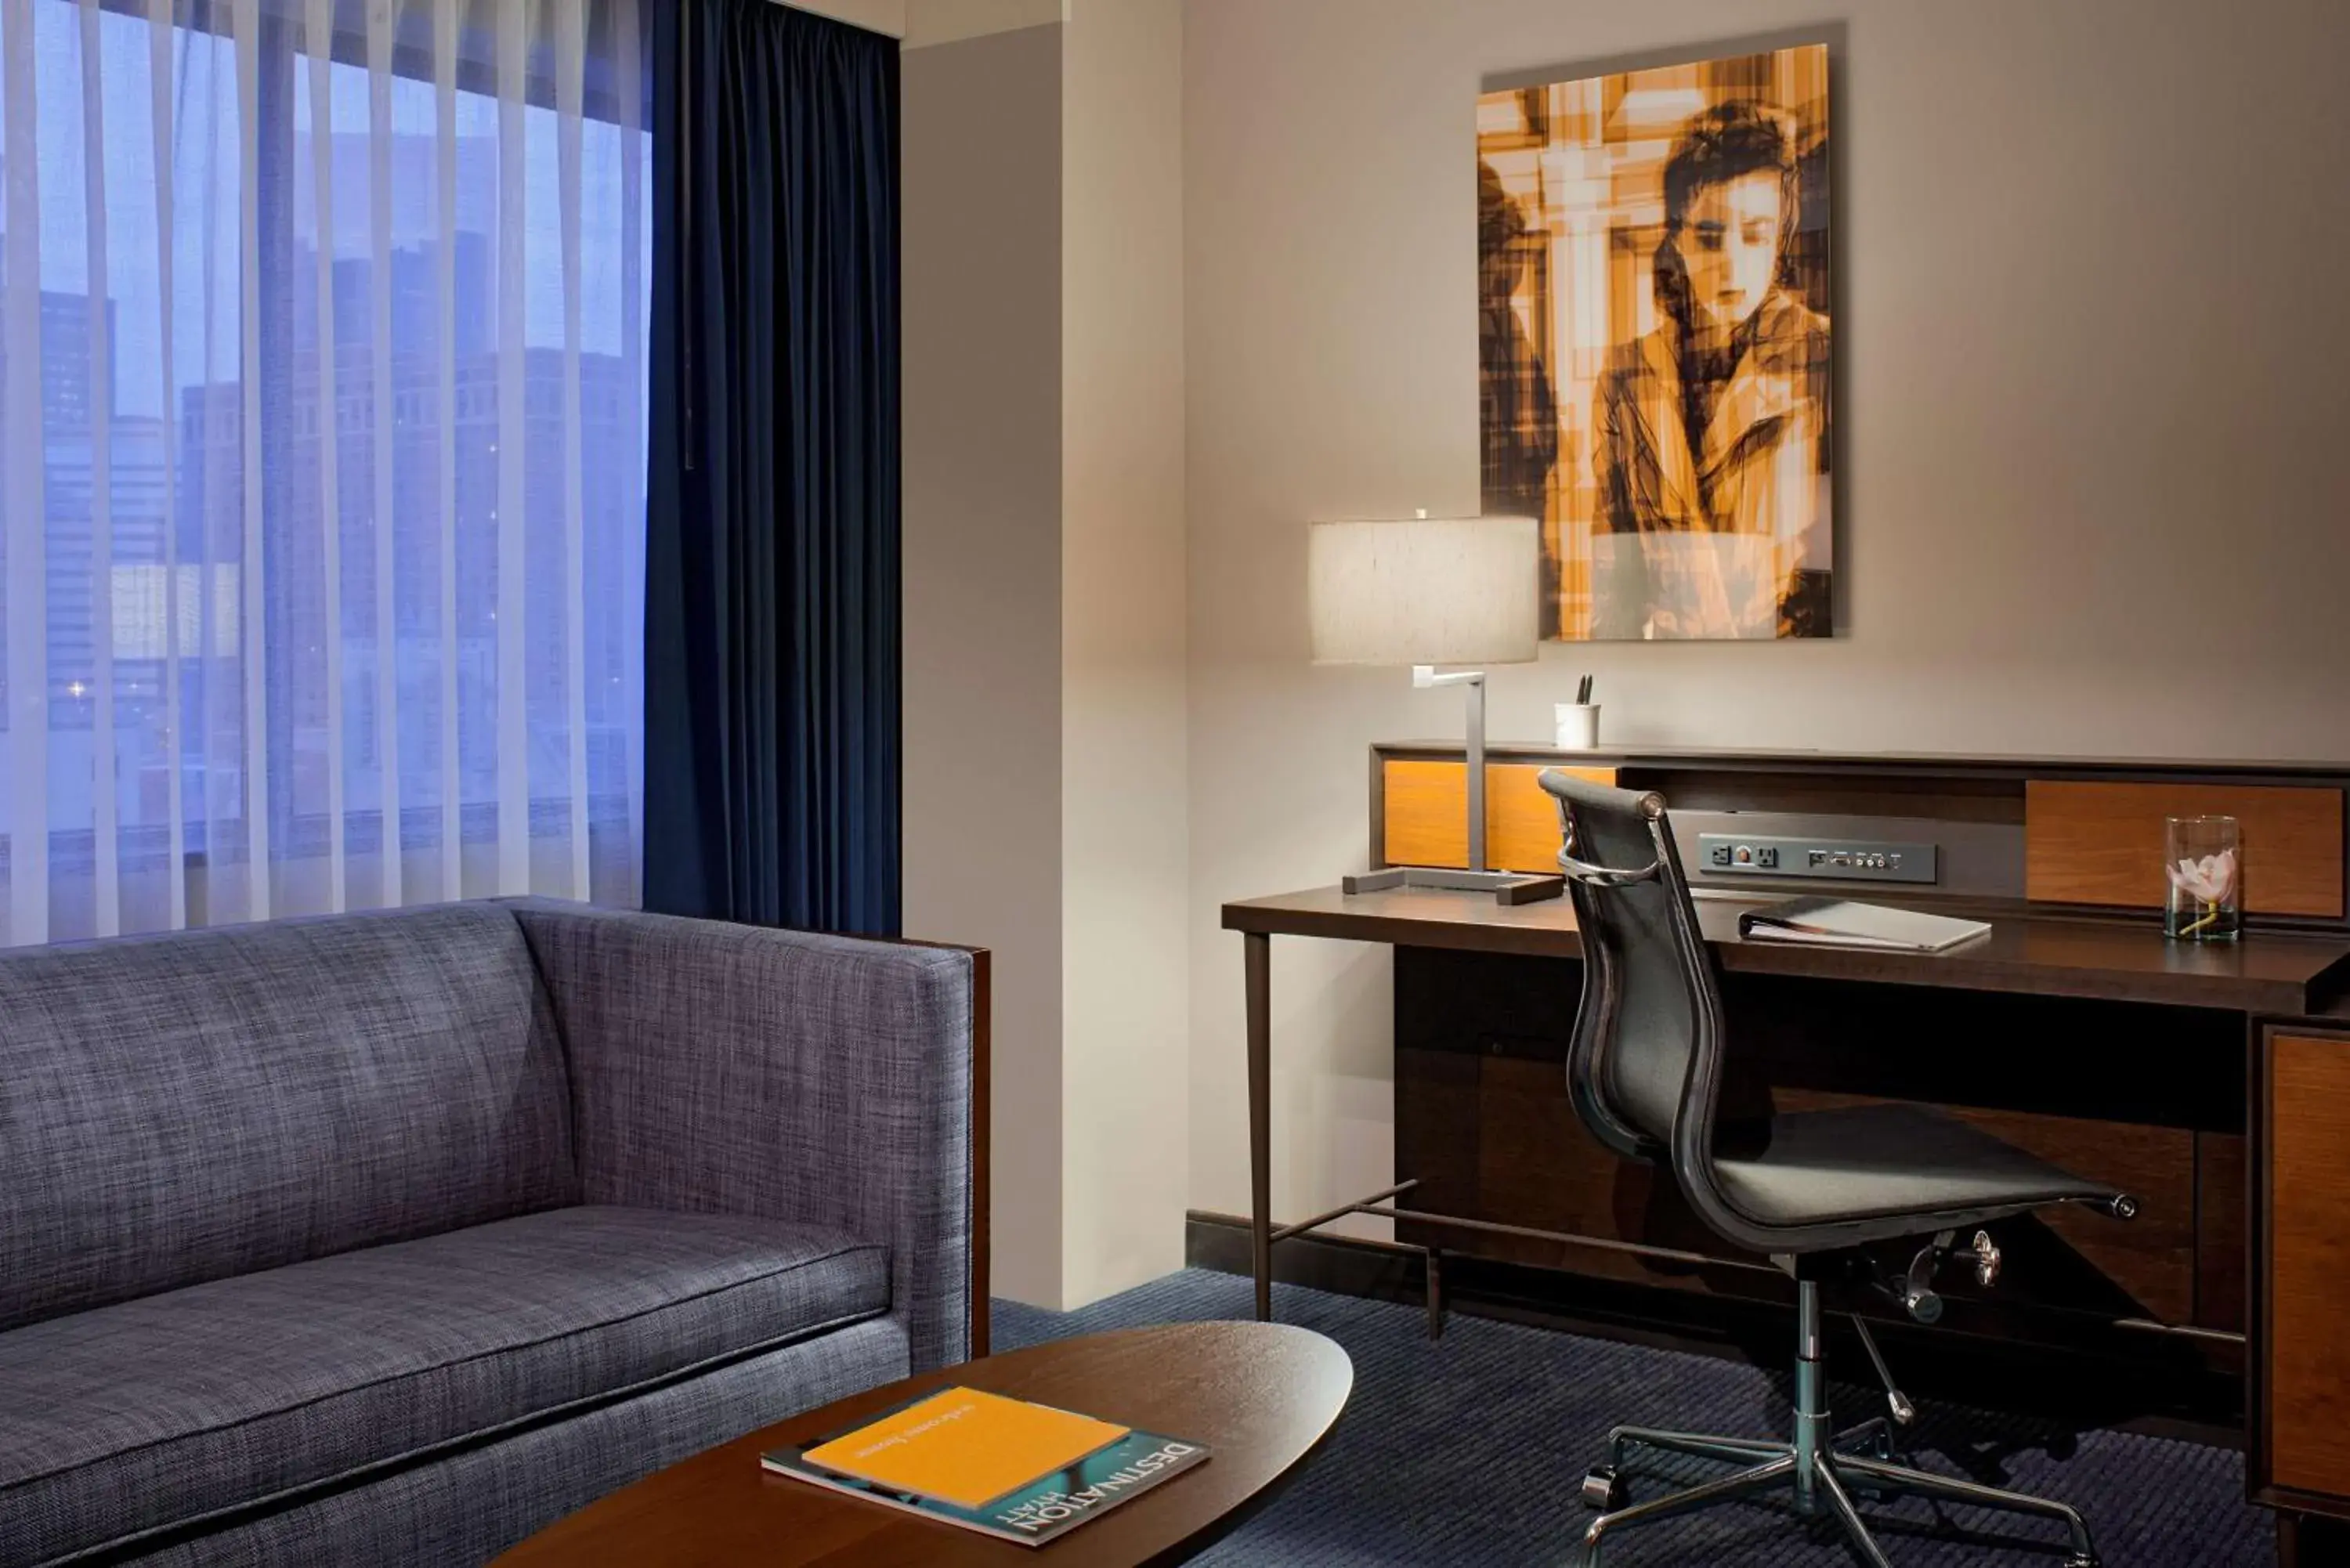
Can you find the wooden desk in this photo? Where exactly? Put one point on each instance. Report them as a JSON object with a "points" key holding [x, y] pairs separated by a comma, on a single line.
{"points": [[2134, 1013], [2117, 960], [2213, 1082]]}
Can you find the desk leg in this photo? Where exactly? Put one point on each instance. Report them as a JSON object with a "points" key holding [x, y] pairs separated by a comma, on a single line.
{"points": [[1258, 950]]}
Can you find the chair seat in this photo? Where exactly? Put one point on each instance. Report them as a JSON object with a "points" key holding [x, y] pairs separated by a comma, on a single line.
{"points": [[1875, 1172], [152, 1412]]}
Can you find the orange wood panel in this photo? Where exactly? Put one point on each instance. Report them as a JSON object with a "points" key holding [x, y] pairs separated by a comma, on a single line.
{"points": [[2096, 843], [1427, 814], [2308, 1338]]}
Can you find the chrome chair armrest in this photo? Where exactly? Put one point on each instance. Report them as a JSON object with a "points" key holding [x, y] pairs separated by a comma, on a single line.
{"points": [[1584, 871]]}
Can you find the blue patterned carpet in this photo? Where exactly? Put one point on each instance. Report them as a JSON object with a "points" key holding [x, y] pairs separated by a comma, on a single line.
{"points": [[1399, 1484]]}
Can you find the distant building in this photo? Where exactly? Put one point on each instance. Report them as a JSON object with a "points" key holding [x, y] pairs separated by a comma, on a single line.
{"points": [[154, 617], [212, 500]]}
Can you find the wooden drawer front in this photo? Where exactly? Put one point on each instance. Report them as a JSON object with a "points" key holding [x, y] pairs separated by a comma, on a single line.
{"points": [[1496, 1137], [2308, 1259], [2089, 842], [1428, 814]]}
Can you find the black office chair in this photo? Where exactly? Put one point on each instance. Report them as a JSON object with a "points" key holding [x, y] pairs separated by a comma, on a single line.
{"points": [[1813, 1190]]}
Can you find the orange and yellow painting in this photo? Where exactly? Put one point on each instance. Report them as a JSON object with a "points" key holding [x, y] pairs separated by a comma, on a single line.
{"points": [[1655, 333]]}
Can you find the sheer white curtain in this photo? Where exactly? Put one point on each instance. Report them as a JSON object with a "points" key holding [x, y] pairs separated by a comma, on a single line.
{"points": [[322, 419]]}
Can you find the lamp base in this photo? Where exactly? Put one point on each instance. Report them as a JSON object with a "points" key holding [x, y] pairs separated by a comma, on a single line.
{"points": [[1507, 887]]}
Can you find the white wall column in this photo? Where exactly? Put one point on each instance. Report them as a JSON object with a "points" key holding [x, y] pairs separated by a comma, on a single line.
{"points": [[1045, 794]]}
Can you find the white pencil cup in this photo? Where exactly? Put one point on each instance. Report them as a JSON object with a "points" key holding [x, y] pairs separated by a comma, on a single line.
{"points": [[1578, 726]]}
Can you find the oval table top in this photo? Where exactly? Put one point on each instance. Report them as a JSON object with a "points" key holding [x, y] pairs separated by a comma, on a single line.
{"points": [[1261, 1396]]}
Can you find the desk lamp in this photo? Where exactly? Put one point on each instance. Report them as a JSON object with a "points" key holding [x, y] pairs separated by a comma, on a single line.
{"points": [[1423, 592]]}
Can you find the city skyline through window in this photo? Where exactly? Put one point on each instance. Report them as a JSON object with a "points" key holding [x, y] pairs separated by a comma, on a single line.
{"points": [[387, 344]]}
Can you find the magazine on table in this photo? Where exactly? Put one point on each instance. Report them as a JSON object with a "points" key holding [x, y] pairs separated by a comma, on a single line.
{"points": [[1008, 1468]]}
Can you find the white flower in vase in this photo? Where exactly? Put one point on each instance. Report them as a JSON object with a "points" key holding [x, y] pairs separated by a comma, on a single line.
{"points": [[2211, 881]]}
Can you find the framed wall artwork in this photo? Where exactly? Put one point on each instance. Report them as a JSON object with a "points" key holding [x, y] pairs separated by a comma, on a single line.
{"points": [[1654, 344]]}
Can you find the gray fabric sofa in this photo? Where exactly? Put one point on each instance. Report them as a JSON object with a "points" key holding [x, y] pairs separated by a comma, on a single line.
{"points": [[392, 1237]]}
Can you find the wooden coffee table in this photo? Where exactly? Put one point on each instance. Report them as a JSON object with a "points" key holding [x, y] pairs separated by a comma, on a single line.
{"points": [[1261, 1396]]}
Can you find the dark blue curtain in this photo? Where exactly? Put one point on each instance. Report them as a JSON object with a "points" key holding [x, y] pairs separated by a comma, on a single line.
{"points": [[771, 553]]}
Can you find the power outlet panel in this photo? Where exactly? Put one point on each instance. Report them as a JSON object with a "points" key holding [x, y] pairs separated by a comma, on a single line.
{"points": [[1816, 859]]}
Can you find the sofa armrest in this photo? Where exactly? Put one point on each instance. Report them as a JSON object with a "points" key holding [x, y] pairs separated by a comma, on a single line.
{"points": [[830, 1080]]}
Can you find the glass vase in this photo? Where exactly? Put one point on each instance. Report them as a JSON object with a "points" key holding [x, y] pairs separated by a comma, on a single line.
{"points": [[2203, 863]]}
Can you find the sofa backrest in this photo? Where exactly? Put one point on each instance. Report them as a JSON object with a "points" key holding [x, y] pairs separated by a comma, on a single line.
{"points": [[185, 1107]]}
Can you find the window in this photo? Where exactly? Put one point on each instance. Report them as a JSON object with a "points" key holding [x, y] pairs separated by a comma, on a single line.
{"points": [[322, 414]]}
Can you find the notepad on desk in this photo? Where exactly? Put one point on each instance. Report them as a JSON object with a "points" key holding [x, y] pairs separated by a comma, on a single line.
{"points": [[1841, 923]]}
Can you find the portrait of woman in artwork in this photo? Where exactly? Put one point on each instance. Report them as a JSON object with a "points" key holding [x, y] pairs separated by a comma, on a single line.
{"points": [[1673, 323]]}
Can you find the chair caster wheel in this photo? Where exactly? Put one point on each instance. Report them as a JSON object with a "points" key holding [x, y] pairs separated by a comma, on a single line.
{"points": [[1602, 1489], [2083, 1560]]}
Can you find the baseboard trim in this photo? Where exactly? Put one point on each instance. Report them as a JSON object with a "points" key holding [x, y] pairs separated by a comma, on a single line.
{"points": [[1750, 1332], [1343, 1265], [1963, 1369]]}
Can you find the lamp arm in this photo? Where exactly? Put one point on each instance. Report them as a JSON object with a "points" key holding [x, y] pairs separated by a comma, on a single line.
{"points": [[1425, 678]]}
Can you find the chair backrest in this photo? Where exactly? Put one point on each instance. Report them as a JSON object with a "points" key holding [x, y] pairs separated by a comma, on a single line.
{"points": [[1644, 1067]]}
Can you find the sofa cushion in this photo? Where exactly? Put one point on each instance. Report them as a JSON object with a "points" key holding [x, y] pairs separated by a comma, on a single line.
{"points": [[191, 1106], [134, 1417]]}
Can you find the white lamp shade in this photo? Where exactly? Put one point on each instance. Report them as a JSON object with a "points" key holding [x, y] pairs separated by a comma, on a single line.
{"points": [[1426, 590]]}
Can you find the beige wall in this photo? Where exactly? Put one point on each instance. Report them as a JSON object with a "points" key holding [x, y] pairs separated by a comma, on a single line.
{"points": [[1126, 859], [873, 16], [1045, 779], [929, 22], [923, 23], [982, 258], [2089, 347]]}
